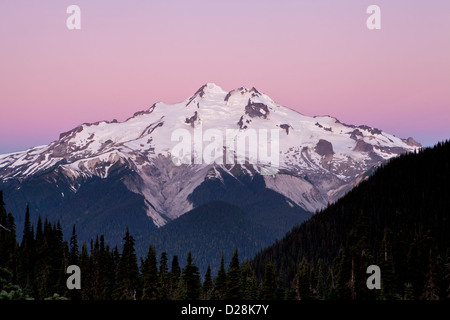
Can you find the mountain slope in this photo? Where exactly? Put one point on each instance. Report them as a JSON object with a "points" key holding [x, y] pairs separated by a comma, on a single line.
{"points": [[207, 231], [239, 213], [398, 219]]}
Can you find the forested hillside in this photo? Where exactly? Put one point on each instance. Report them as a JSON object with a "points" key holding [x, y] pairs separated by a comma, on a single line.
{"points": [[398, 219]]}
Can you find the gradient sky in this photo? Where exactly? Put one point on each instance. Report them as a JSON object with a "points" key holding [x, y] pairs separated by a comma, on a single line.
{"points": [[316, 57]]}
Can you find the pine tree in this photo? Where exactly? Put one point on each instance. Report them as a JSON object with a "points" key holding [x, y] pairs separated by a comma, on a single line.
{"points": [[389, 280], [280, 291], [74, 254], [330, 293], [249, 282], [399, 256], [207, 285], [164, 281], [85, 270], [320, 282], [61, 286], [74, 259], [95, 269], [13, 248], [181, 290], [174, 277], [127, 276], [269, 284], [431, 289], [28, 235], [27, 256], [104, 271], [42, 265], [359, 250], [303, 281], [8, 242], [3, 213], [343, 290], [109, 272], [175, 269], [418, 264], [234, 290], [191, 278], [39, 230], [150, 275], [220, 283], [163, 269], [58, 260], [447, 279], [115, 258]]}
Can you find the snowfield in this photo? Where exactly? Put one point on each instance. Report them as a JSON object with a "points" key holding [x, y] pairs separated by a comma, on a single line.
{"points": [[319, 157]]}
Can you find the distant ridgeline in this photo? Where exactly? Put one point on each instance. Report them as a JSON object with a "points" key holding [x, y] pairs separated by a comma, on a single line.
{"points": [[398, 219]]}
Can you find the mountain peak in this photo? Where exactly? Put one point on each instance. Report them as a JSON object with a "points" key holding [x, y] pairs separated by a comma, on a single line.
{"points": [[316, 154], [209, 89], [212, 86]]}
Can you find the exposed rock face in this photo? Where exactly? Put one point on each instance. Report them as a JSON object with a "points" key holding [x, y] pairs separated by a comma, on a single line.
{"points": [[356, 134], [324, 148], [371, 130], [362, 146], [411, 142], [285, 127], [257, 110], [243, 123], [192, 119]]}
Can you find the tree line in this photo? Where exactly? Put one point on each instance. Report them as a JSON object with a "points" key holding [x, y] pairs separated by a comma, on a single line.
{"points": [[36, 267]]}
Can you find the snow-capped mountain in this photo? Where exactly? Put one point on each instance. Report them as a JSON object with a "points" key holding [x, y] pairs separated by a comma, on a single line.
{"points": [[320, 158]]}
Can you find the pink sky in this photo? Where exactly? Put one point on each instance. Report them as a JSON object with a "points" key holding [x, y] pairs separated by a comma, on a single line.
{"points": [[316, 57]]}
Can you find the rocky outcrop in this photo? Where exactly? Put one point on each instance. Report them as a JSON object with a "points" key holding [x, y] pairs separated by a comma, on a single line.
{"points": [[192, 119], [257, 110], [324, 148], [362, 146]]}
